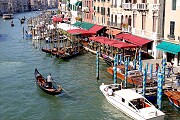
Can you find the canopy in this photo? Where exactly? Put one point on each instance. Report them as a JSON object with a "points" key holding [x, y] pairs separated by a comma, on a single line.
{"points": [[65, 26], [112, 31], [169, 47], [139, 41], [57, 19], [80, 31], [112, 42], [84, 25], [78, 3], [96, 28]]}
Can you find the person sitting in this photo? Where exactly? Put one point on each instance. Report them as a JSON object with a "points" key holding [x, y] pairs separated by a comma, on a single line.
{"points": [[49, 80], [110, 92]]}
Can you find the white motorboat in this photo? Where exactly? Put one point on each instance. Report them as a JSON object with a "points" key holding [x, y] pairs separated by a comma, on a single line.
{"points": [[131, 103], [8, 16]]}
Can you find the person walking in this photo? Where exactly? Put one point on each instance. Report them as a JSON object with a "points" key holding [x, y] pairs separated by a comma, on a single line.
{"points": [[172, 67], [169, 70], [157, 67]]}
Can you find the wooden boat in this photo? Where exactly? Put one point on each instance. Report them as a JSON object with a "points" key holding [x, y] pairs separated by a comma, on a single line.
{"points": [[174, 97], [131, 103], [108, 60], [47, 50], [41, 82], [8, 16], [134, 77]]}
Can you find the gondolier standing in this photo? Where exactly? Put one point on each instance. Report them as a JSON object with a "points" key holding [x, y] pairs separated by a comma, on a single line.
{"points": [[49, 80]]}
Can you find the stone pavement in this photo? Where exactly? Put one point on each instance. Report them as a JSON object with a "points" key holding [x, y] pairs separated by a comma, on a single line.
{"points": [[168, 81]]}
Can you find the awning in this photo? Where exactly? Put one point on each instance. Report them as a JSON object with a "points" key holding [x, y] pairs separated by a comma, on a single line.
{"points": [[96, 28], [112, 31], [78, 3], [139, 41], [57, 19], [112, 42], [80, 31], [84, 25], [169, 47]]}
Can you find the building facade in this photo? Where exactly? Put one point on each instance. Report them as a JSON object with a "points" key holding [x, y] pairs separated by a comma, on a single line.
{"points": [[88, 10], [3, 7], [172, 31]]}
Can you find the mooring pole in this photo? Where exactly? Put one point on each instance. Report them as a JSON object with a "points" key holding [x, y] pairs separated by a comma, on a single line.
{"points": [[126, 73], [144, 81], [97, 65], [159, 91], [115, 69]]}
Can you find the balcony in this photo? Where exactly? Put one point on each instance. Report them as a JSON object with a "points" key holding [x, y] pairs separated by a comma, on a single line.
{"points": [[127, 6], [134, 6], [171, 37], [85, 9], [142, 6], [155, 7]]}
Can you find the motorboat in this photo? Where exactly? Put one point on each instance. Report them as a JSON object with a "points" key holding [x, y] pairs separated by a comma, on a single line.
{"points": [[8, 16], [131, 103]]}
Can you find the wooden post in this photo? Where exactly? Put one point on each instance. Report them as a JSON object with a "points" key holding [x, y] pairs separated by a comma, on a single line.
{"points": [[97, 65]]}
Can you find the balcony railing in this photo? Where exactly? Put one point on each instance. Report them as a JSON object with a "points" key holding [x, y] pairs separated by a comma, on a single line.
{"points": [[142, 6], [155, 7], [134, 6], [127, 6], [171, 37]]}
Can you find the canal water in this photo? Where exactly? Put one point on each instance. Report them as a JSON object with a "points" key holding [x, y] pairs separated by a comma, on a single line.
{"points": [[20, 97]]}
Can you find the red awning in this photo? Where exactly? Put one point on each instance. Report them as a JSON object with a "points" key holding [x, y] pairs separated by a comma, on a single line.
{"points": [[96, 28], [112, 42], [80, 31], [57, 19], [139, 41]]}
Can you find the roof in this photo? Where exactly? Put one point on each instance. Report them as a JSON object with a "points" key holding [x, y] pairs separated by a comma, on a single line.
{"points": [[169, 47], [79, 31], [128, 94], [139, 41], [96, 28], [113, 31], [112, 42], [84, 25], [78, 3]]}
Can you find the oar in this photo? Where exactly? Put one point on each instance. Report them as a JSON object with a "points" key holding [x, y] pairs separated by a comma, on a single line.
{"points": [[61, 87]]}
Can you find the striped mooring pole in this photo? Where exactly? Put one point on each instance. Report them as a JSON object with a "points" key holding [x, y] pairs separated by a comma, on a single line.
{"points": [[115, 69], [159, 90], [144, 81], [163, 70], [120, 59], [97, 65], [140, 61], [151, 70], [126, 73], [134, 64], [147, 67]]}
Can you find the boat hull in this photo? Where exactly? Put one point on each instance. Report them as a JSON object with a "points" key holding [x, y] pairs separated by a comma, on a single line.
{"points": [[115, 100], [41, 82]]}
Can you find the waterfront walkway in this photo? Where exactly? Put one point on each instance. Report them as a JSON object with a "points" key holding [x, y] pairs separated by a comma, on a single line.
{"points": [[168, 81]]}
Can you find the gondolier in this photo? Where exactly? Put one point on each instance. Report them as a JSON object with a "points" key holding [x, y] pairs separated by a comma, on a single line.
{"points": [[49, 80]]}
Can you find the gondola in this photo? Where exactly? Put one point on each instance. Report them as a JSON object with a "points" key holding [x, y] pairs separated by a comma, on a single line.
{"points": [[41, 82]]}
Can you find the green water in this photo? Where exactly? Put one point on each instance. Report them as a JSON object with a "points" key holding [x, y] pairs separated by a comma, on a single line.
{"points": [[21, 99]]}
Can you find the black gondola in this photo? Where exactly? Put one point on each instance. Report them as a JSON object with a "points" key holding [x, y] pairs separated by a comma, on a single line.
{"points": [[41, 82]]}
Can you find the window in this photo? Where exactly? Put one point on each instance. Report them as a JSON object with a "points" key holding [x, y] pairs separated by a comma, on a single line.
{"points": [[94, 8], [172, 26], [97, 9], [173, 4], [155, 1]]}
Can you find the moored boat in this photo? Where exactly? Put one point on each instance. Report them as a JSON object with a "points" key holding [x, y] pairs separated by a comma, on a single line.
{"points": [[131, 103], [174, 97], [8, 16], [41, 82], [134, 77]]}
